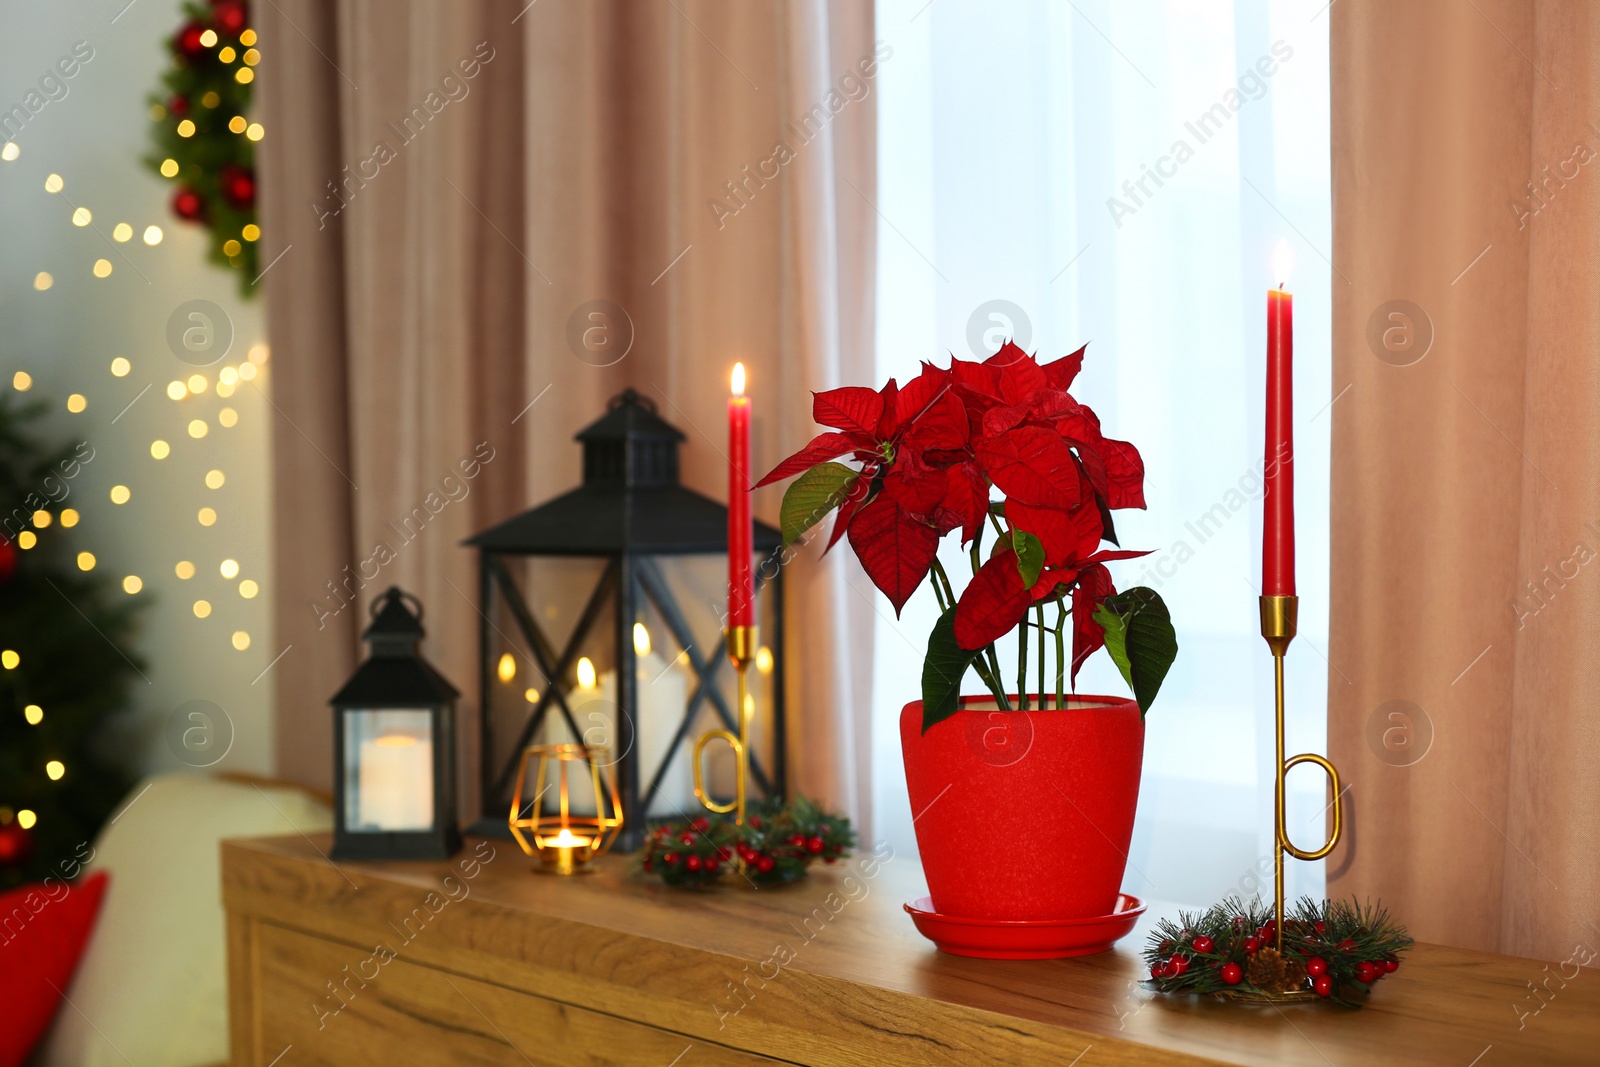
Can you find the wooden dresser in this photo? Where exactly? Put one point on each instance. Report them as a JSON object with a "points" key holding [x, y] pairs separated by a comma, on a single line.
{"points": [[480, 961]]}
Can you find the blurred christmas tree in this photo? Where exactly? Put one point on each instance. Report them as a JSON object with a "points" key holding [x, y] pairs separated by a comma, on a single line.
{"points": [[65, 658]]}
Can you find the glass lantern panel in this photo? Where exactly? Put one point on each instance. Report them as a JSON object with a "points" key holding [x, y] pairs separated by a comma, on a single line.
{"points": [[388, 771]]}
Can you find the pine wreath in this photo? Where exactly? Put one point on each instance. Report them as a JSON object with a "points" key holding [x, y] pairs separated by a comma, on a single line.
{"points": [[204, 138], [776, 844]]}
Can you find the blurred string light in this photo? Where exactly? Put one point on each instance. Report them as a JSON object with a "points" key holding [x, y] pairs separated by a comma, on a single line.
{"points": [[69, 517], [202, 608], [55, 769], [227, 417], [27, 539], [132, 584], [43, 281], [215, 479], [81, 216], [177, 390], [86, 561], [229, 568], [208, 517], [120, 367], [241, 640], [10, 152], [34, 714], [198, 428], [26, 819], [122, 233], [9, 660], [77, 402], [54, 184], [102, 268], [160, 449], [184, 570], [152, 235], [120, 494], [248, 589], [22, 381]]}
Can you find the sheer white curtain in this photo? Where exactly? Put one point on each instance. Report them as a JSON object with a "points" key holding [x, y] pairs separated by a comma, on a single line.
{"points": [[1119, 173]]}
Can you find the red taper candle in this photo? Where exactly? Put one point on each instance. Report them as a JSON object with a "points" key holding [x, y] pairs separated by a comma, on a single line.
{"points": [[741, 578], [1277, 528]]}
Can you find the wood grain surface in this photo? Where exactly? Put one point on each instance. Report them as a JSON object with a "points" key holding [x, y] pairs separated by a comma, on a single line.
{"points": [[354, 963]]}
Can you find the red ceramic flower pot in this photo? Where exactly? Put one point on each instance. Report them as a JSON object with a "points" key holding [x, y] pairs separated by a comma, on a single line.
{"points": [[1025, 815]]}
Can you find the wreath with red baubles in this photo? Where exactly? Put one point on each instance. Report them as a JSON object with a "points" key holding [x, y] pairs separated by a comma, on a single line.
{"points": [[776, 844], [1334, 949], [204, 137]]}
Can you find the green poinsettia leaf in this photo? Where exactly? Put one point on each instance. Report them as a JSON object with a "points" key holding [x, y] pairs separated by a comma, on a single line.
{"points": [[946, 664], [811, 496], [1030, 556], [1140, 640]]}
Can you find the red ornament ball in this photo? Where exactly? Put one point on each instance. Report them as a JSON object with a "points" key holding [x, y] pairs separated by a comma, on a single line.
{"points": [[16, 845], [702, 824], [229, 15], [1204, 944], [711, 865], [1316, 966], [1390, 966], [686, 838], [1232, 974], [1323, 985], [765, 864], [670, 858], [1158, 969], [187, 42], [814, 846], [692, 862], [1366, 972], [1178, 965], [188, 204], [239, 186], [178, 107]]}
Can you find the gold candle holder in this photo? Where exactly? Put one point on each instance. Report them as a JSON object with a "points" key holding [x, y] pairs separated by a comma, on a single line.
{"points": [[1279, 615], [742, 651], [564, 841]]}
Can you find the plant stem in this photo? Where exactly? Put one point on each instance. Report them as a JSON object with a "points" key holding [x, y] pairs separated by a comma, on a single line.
{"points": [[948, 601], [1061, 653], [1038, 615], [988, 673], [1022, 664]]}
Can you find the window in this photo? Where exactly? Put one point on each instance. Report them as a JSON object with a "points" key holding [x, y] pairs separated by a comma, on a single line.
{"points": [[1119, 174]]}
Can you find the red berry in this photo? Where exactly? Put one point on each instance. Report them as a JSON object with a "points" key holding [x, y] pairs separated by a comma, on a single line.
{"points": [[1316, 966], [1346, 945], [1251, 944], [755, 821], [647, 865], [1158, 969], [711, 864], [1391, 966], [1364, 972], [692, 862], [725, 853], [686, 838], [765, 864], [1178, 965], [1319, 926], [1232, 974], [702, 824], [1204, 944], [1323, 985], [670, 858], [814, 846], [829, 859]]}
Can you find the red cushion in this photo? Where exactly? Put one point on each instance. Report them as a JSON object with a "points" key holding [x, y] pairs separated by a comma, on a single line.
{"points": [[44, 929]]}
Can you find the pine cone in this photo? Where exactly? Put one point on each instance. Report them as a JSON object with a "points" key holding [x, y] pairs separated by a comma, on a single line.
{"points": [[1294, 976], [1266, 970]]}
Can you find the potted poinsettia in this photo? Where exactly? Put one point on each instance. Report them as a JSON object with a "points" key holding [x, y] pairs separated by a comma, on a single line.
{"points": [[1024, 796]]}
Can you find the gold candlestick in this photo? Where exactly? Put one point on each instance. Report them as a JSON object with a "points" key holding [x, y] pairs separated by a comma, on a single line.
{"points": [[1278, 618], [742, 651]]}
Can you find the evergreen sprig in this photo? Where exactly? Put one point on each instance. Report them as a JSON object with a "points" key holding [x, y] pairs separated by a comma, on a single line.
{"points": [[1353, 943]]}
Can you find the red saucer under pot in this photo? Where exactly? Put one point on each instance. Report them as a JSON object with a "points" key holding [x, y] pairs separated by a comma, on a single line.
{"points": [[1025, 816]]}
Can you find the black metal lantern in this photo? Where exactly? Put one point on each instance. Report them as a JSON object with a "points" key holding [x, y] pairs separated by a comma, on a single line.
{"points": [[394, 753], [603, 615]]}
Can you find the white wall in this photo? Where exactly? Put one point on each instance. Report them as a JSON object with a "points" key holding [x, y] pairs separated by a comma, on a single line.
{"points": [[66, 337]]}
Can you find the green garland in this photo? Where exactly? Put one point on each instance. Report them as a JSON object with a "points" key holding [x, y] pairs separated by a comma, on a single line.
{"points": [[776, 844], [1336, 949], [204, 139]]}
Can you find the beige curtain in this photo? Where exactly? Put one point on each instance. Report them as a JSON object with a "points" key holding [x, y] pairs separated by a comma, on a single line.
{"points": [[1465, 504], [587, 156]]}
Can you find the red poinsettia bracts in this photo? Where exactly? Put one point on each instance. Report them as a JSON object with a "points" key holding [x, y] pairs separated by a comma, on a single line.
{"points": [[929, 456]]}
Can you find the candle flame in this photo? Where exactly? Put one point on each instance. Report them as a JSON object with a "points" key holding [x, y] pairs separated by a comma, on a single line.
{"points": [[738, 379], [1282, 261], [395, 741], [585, 673], [641, 639], [507, 667], [567, 839]]}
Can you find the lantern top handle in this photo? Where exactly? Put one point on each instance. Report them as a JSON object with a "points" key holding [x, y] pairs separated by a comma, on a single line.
{"points": [[631, 396], [395, 613]]}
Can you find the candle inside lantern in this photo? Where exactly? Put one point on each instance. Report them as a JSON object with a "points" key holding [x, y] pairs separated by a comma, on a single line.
{"points": [[563, 847], [741, 584], [1277, 529], [395, 783]]}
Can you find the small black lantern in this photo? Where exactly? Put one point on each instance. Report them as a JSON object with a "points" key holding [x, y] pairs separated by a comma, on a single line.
{"points": [[394, 749], [603, 613]]}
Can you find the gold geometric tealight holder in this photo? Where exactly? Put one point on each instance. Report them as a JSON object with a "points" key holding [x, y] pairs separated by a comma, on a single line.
{"points": [[565, 841]]}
